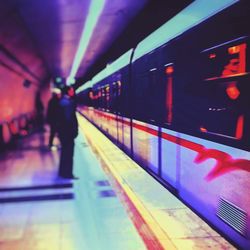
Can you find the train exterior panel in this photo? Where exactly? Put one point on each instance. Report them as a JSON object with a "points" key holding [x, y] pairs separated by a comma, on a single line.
{"points": [[170, 166], [146, 145], [126, 135], [180, 108], [207, 177], [120, 128]]}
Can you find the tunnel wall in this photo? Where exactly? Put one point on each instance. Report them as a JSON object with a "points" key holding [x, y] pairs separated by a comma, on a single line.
{"points": [[15, 98]]}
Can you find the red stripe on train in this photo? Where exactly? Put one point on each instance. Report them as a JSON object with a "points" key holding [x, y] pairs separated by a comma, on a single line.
{"points": [[224, 162]]}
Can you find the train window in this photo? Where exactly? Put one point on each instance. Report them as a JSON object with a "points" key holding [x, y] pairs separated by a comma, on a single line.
{"points": [[103, 98], [223, 121], [116, 92], [91, 95], [151, 96], [224, 103], [119, 88], [96, 97], [107, 97], [99, 97], [169, 70], [223, 113], [225, 61]]}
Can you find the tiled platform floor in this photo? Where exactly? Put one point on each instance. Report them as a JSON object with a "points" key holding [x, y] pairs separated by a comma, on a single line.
{"points": [[36, 207], [112, 206]]}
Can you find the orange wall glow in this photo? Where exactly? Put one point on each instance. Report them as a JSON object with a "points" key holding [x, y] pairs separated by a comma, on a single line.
{"points": [[15, 99]]}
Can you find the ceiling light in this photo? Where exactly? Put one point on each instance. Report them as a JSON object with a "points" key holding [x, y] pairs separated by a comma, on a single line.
{"points": [[94, 12]]}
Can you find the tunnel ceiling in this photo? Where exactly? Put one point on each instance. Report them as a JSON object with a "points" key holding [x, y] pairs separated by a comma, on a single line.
{"points": [[39, 38]]}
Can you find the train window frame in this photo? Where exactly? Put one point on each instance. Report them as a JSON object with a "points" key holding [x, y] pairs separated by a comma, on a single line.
{"points": [[230, 49], [231, 82], [107, 98], [152, 73]]}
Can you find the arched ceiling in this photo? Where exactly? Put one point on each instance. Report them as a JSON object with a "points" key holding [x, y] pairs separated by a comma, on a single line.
{"points": [[39, 38]]}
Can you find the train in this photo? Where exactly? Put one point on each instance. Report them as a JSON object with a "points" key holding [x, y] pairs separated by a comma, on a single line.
{"points": [[179, 105]]}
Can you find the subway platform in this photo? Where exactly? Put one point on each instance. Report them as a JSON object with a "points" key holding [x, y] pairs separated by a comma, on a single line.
{"points": [[114, 204]]}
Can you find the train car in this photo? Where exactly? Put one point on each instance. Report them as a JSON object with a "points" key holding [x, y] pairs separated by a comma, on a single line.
{"points": [[178, 104]]}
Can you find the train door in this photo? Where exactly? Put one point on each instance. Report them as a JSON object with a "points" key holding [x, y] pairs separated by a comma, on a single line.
{"points": [[117, 88], [112, 117], [145, 133], [100, 116]]}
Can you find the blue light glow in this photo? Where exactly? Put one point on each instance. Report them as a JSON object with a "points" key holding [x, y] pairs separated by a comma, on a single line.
{"points": [[94, 12], [192, 15], [58, 79]]}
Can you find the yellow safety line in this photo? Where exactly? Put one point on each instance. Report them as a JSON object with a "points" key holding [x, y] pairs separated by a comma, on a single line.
{"points": [[160, 235]]}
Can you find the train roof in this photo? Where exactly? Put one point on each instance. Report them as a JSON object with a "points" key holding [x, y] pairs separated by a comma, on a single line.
{"points": [[111, 68], [86, 85], [192, 15]]}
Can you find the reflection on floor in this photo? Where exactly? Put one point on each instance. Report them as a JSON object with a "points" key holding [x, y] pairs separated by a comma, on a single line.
{"points": [[37, 209], [112, 206], [29, 163]]}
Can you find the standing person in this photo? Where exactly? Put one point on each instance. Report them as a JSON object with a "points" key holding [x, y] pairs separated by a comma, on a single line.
{"points": [[52, 115], [39, 112], [68, 130]]}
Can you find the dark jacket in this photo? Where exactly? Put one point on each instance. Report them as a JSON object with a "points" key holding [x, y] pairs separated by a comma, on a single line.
{"points": [[68, 125], [52, 113]]}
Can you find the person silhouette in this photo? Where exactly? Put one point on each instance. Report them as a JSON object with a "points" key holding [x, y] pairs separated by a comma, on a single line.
{"points": [[52, 115], [68, 131]]}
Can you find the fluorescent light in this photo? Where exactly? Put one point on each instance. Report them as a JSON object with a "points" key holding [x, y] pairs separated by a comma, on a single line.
{"points": [[94, 12]]}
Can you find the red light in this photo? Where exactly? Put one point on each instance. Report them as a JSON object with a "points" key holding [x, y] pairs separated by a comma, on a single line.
{"points": [[212, 56], [232, 91], [239, 127], [169, 70], [233, 67], [91, 96], [23, 132], [236, 63], [14, 128], [71, 92], [202, 129], [169, 94], [234, 50]]}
